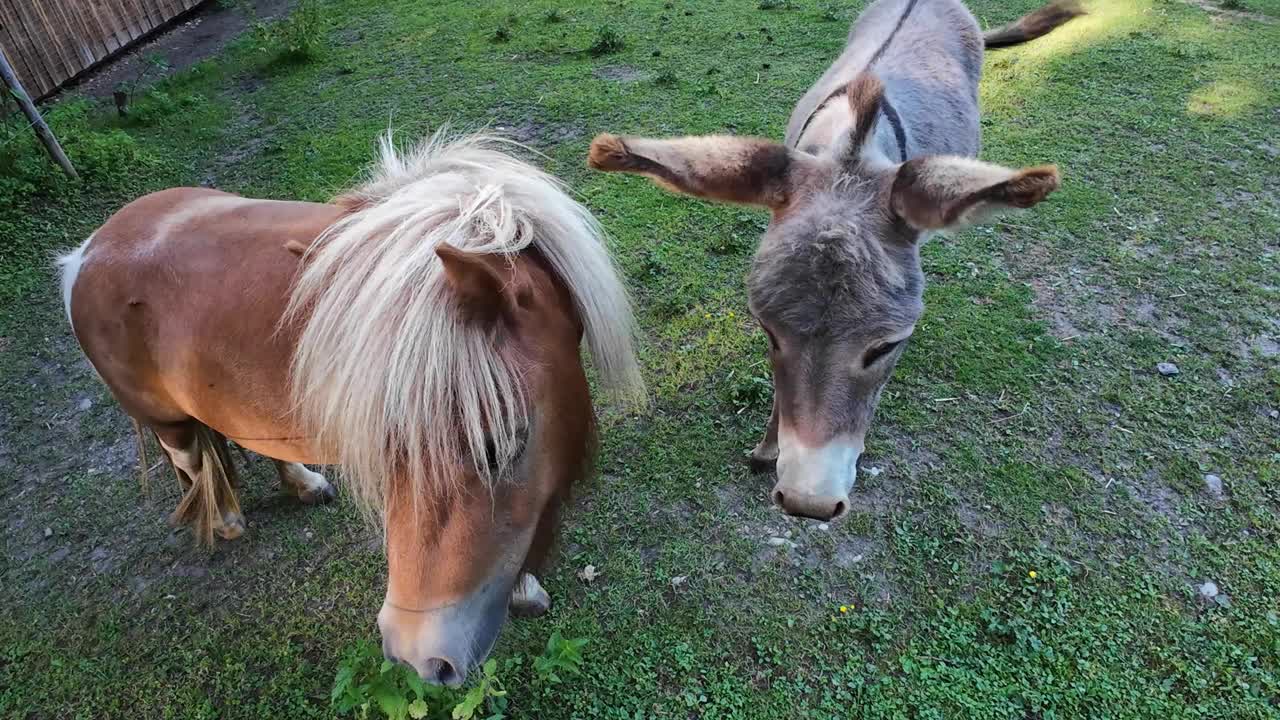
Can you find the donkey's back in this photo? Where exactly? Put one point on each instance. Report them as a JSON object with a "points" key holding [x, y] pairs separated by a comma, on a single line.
{"points": [[928, 56]]}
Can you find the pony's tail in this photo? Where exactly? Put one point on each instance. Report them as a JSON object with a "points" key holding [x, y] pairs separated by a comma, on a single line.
{"points": [[144, 474], [210, 495], [1033, 25]]}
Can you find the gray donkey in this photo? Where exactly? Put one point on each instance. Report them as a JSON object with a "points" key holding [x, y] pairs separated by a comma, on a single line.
{"points": [[878, 155]]}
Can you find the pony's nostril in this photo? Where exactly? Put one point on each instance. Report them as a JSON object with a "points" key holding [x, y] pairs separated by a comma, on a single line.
{"points": [[840, 509], [439, 671], [778, 499]]}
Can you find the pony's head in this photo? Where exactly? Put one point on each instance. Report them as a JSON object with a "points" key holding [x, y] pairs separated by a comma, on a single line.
{"points": [[440, 366]]}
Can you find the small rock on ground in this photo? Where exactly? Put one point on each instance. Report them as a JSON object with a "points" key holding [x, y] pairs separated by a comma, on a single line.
{"points": [[1167, 369], [1208, 590], [1213, 484]]}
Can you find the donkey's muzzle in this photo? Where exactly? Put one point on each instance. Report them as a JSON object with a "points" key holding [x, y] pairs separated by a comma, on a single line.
{"points": [[814, 482], [815, 507]]}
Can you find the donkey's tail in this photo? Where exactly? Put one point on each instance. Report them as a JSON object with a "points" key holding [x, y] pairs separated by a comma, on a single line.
{"points": [[1033, 25]]}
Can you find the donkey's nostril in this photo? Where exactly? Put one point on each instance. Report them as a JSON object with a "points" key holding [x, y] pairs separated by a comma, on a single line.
{"points": [[439, 671], [815, 507]]}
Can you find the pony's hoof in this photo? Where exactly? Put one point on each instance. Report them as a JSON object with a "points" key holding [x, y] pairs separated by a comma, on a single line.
{"points": [[309, 486], [760, 462], [529, 599], [322, 495], [232, 526]]}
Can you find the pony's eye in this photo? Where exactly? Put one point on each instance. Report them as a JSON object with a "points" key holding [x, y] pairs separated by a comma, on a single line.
{"points": [[878, 352], [491, 459]]}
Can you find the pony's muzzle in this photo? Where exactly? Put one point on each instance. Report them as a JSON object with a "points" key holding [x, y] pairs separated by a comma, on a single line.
{"points": [[443, 644]]}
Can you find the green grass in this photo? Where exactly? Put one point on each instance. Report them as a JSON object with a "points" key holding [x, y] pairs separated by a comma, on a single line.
{"points": [[1026, 427]]}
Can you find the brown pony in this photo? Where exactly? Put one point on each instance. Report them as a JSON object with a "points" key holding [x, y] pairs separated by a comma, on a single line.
{"points": [[421, 331]]}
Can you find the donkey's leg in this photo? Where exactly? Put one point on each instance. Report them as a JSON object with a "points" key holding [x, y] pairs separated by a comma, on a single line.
{"points": [[765, 455], [309, 487], [528, 599], [209, 502]]}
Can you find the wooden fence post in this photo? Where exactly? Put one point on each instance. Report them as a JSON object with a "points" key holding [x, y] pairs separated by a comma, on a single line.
{"points": [[33, 114]]}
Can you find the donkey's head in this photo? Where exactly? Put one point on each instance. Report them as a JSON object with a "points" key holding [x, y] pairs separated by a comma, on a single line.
{"points": [[836, 282]]}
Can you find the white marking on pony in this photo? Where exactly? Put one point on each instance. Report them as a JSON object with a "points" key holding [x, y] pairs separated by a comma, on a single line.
{"points": [[189, 210], [69, 268], [308, 485], [383, 369], [529, 598]]}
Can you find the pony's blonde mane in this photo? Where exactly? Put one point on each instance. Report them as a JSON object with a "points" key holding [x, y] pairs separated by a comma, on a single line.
{"points": [[387, 374]]}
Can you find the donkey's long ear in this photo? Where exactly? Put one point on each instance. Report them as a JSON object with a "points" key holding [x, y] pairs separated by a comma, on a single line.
{"points": [[480, 282], [937, 192], [751, 171]]}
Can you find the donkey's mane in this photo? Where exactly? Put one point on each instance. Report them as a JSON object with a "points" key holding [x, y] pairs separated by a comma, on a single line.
{"points": [[386, 374]]}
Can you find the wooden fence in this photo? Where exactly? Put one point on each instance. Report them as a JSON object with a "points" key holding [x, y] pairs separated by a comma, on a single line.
{"points": [[48, 42]]}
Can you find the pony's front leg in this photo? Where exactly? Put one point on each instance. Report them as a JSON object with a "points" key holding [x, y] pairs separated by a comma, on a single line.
{"points": [[528, 599], [310, 487], [765, 455]]}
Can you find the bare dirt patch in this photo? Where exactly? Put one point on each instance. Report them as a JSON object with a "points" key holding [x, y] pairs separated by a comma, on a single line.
{"points": [[536, 134], [1264, 346], [980, 521], [1082, 304], [1218, 12], [197, 36], [620, 73]]}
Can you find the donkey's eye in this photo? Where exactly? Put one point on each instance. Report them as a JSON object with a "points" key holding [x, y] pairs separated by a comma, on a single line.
{"points": [[773, 341], [878, 352]]}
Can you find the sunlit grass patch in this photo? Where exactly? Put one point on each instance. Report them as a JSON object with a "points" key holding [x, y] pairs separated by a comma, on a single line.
{"points": [[1224, 99]]}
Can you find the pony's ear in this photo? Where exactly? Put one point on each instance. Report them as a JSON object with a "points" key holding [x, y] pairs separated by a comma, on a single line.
{"points": [[751, 171], [939, 192], [478, 282]]}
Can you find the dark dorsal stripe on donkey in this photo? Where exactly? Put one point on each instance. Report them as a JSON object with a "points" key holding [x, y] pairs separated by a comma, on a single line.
{"points": [[879, 153]]}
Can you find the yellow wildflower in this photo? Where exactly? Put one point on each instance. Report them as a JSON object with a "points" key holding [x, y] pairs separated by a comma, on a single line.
{"points": [[1032, 574], [844, 608]]}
